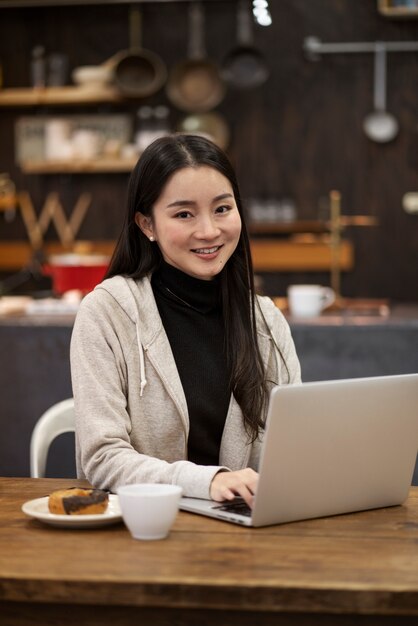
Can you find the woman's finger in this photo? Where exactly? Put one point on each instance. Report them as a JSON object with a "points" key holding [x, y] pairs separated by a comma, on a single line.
{"points": [[227, 485]]}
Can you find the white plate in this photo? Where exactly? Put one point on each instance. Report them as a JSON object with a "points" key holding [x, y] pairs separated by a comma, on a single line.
{"points": [[38, 509]]}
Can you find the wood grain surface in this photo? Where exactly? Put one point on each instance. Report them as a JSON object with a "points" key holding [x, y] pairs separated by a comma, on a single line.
{"points": [[208, 571]]}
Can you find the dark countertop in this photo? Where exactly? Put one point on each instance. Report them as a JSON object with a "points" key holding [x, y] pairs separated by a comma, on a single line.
{"points": [[395, 315], [37, 320], [35, 368]]}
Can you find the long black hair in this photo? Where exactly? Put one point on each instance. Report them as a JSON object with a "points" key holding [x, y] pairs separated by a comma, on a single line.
{"points": [[135, 256]]}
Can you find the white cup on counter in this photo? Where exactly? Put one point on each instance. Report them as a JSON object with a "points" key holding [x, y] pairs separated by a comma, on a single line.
{"points": [[149, 510], [309, 300]]}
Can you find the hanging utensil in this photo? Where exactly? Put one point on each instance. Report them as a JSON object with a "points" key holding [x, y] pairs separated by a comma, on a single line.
{"points": [[380, 125], [195, 85], [211, 125], [245, 67], [137, 72]]}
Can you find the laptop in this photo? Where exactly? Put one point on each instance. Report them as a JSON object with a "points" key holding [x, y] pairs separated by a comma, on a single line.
{"points": [[329, 448]]}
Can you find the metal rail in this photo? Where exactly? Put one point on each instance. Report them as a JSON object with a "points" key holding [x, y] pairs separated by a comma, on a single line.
{"points": [[314, 47]]}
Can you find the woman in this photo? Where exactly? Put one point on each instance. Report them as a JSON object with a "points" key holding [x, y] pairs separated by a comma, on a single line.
{"points": [[173, 356]]}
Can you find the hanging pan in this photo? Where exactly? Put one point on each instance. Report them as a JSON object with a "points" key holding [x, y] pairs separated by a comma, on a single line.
{"points": [[195, 85], [211, 125], [244, 67], [137, 72]]}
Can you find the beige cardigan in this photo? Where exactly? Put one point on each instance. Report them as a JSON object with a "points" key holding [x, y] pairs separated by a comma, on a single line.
{"points": [[132, 422]]}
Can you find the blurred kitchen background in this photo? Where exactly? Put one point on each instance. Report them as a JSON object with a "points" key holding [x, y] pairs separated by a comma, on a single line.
{"points": [[291, 121], [316, 103]]}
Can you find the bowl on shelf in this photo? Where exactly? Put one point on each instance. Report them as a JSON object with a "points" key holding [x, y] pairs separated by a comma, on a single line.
{"points": [[92, 76]]}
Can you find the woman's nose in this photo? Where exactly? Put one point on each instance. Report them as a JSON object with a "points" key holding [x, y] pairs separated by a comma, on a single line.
{"points": [[207, 228]]}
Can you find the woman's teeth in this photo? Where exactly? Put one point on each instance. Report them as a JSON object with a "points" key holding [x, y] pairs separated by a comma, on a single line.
{"points": [[206, 250]]}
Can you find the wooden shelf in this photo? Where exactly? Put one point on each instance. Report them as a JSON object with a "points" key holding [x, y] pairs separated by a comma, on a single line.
{"points": [[25, 97], [314, 227], [80, 166], [269, 255], [14, 255], [297, 226], [386, 8]]}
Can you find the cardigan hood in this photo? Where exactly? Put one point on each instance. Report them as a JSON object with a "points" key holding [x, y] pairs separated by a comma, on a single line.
{"points": [[132, 421], [123, 291]]}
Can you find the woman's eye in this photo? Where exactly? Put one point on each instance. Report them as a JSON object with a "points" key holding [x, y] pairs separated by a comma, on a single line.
{"points": [[223, 209], [183, 214]]}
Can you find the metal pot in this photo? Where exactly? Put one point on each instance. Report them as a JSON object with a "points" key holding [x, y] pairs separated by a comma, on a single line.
{"points": [[244, 67], [75, 271], [195, 85], [137, 72], [211, 125]]}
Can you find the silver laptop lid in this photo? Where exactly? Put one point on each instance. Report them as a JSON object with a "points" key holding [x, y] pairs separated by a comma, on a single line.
{"points": [[337, 446]]}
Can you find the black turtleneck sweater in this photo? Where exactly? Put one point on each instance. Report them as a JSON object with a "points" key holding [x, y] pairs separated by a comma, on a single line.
{"points": [[191, 313]]}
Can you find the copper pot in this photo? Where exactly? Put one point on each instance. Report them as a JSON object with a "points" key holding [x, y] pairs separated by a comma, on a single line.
{"points": [[195, 85], [137, 72], [211, 125]]}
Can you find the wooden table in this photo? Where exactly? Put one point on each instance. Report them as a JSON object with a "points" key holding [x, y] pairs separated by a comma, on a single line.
{"points": [[360, 568]]}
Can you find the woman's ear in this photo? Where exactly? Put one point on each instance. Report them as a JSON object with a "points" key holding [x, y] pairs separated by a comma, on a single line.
{"points": [[145, 224]]}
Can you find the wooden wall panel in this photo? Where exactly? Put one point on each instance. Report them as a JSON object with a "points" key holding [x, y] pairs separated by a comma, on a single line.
{"points": [[299, 135]]}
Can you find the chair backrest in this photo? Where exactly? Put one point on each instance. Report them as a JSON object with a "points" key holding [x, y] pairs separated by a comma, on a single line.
{"points": [[58, 419]]}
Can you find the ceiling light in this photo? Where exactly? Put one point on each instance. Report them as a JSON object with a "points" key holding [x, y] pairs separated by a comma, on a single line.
{"points": [[261, 12], [264, 19]]}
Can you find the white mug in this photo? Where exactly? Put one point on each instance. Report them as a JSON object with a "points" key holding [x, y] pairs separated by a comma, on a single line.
{"points": [[309, 300], [149, 510]]}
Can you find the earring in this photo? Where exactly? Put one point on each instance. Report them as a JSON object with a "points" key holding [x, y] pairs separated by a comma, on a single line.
{"points": [[151, 238]]}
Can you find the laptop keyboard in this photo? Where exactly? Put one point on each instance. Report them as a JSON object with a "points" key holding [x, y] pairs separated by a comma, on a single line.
{"points": [[239, 507]]}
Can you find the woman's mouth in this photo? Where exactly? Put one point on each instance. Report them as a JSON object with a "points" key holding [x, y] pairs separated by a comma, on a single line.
{"points": [[208, 251]]}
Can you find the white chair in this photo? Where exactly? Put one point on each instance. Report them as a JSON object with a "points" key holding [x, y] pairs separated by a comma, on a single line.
{"points": [[58, 419]]}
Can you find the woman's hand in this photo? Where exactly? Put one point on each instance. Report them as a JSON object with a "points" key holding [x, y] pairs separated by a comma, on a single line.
{"points": [[228, 485]]}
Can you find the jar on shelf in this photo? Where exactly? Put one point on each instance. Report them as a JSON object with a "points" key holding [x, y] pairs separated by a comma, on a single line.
{"points": [[38, 67], [152, 124]]}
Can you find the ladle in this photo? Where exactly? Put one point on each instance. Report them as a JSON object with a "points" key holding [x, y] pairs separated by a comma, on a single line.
{"points": [[380, 125]]}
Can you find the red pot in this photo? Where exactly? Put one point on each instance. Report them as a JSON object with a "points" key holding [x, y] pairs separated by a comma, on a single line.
{"points": [[76, 271]]}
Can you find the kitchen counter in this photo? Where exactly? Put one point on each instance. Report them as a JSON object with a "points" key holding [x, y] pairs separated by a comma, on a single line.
{"points": [[400, 315], [35, 370], [405, 314], [35, 373], [350, 345]]}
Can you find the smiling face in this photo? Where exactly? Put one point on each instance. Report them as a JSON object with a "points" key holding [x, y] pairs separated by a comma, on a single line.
{"points": [[195, 221]]}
